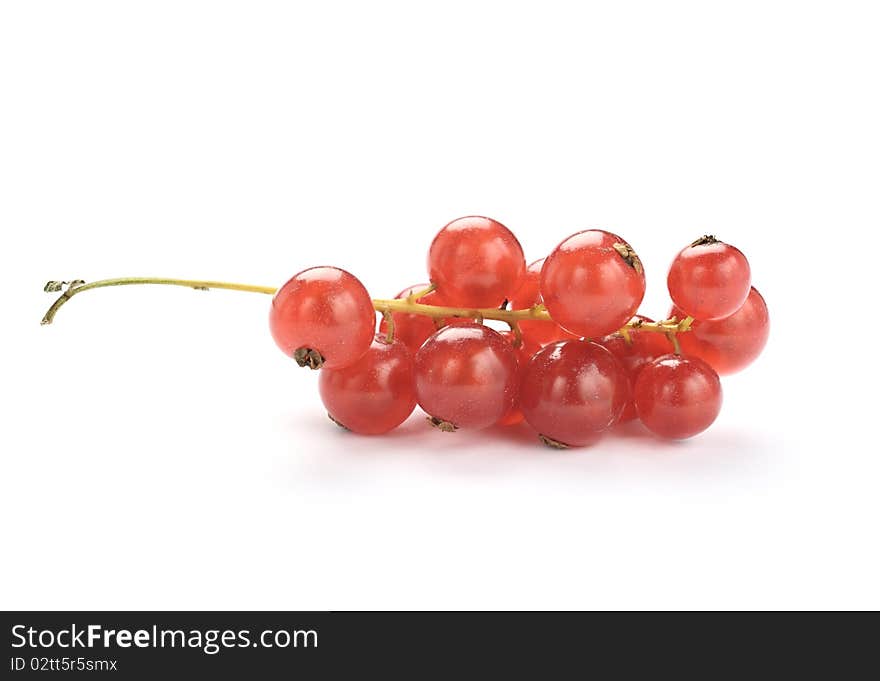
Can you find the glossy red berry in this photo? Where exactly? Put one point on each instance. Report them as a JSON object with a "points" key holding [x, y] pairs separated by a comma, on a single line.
{"points": [[709, 279], [528, 295], [730, 344], [412, 329], [375, 394], [466, 376], [524, 353], [592, 283], [572, 392], [476, 262], [323, 316], [677, 397], [634, 352]]}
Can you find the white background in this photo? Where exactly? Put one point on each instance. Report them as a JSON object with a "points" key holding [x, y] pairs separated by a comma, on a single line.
{"points": [[159, 452]]}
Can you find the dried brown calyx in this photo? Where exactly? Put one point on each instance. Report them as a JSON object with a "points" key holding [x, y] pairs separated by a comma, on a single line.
{"points": [[629, 256], [306, 357], [550, 442], [341, 425], [440, 424], [705, 240]]}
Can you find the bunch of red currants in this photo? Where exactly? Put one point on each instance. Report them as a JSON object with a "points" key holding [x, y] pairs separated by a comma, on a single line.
{"points": [[577, 359]]}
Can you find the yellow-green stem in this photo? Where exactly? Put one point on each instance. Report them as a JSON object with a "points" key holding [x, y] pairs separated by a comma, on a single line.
{"points": [[198, 284], [385, 306]]}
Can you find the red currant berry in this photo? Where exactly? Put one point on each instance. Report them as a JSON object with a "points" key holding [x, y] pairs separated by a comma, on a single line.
{"points": [[375, 394], [476, 262], [677, 397], [524, 353], [633, 353], [732, 343], [572, 392], [709, 279], [466, 376], [592, 283], [323, 316], [412, 329], [537, 331]]}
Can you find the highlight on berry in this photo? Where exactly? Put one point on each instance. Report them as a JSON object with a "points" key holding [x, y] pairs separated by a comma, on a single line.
{"points": [[578, 358]]}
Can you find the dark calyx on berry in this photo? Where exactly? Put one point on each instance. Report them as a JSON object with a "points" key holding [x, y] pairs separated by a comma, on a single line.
{"points": [[338, 423], [440, 424], [550, 442], [306, 357], [629, 256], [705, 240]]}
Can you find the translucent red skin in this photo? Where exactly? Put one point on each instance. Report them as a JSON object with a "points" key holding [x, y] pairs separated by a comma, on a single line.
{"points": [[475, 262], [467, 375], [677, 397], [524, 353], [375, 394], [573, 391], [528, 295], [730, 344], [643, 348], [325, 309], [588, 288], [709, 281], [412, 329]]}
